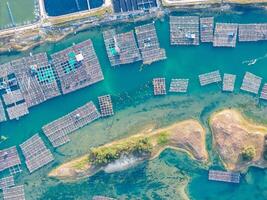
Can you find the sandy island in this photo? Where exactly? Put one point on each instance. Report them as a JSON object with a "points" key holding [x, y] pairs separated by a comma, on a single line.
{"points": [[231, 134], [188, 136]]}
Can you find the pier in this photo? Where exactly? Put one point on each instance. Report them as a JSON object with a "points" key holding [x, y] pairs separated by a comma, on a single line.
{"points": [[149, 44], [159, 86], [121, 48], [251, 83], [179, 85], [9, 159], [58, 130], [229, 177], [184, 30], [36, 153], [225, 35], [264, 92], [14, 193], [6, 182], [206, 29], [209, 78], [2, 112], [229, 82], [77, 67], [10, 14], [34, 89], [17, 111], [106, 107], [252, 32]]}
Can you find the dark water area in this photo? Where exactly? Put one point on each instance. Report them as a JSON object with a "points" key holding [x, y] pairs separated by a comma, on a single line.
{"points": [[63, 7]]}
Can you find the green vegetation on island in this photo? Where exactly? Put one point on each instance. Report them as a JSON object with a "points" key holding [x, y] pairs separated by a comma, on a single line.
{"points": [[248, 153]]}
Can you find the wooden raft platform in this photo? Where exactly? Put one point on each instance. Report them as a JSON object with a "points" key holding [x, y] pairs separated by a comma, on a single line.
{"points": [[14, 193], [58, 130], [206, 29], [148, 44], [121, 48], [252, 32], [184, 30], [12, 97], [9, 159], [2, 112], [159, 86], [225, 35], [36, 153], [34, 85], [179, 85], [77, 67], [230, 177], [264, 92], [251, 83], [229, 82], [106, 107], [209, 78], [7, 182], [17, 111]]}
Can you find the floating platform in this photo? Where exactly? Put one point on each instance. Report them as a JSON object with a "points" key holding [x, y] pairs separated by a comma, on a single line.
{"points": [[209, 78], [2, 112], [6, 182], [229, 177], [229, 82], [251, 83], [159, 86], [184, 30], [106, 107], [12, 97], [225, 35], [9, 159], [36, 78], [252, 32], [8, 79], [132, 5], [149, 44], [17, 111], [179, 85], [36, 153], [264, 92], [14, 193], [206, 29], [77, 67], [121, 48], [58, 130]]}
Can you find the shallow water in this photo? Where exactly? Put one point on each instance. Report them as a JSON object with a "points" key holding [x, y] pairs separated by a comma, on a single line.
{"points": [[136, 109]]}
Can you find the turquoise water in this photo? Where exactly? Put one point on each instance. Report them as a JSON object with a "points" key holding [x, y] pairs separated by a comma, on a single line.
{"points": [[136, 109]]}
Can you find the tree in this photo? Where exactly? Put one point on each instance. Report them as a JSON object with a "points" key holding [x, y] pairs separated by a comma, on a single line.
{"points": [[248, 153]]}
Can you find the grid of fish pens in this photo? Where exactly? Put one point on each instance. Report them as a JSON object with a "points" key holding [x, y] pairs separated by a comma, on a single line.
{"points": [[179, 85], [225, 35], [206, 29], [9, 158], [209, 78], [148, 43], [106, 107], [2, 112], [77, 67], [184, 30], [12, 97], [159, 86], [264, 92], [36, 153], [17, 111], [58, 130], [252, 32], [230, 177], [121, 48], [229, 82], [14, 193], [7, 182], [35, 87], [251, 83]]}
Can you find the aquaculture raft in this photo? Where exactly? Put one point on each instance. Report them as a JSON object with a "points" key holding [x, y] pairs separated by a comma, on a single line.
{"points": [[229, 82], [14, 193], [159, 86], [184, 30], [230, 177], [148, 44], [17, 111], [206, 29], [9, 159], [225, 35], [2, 112], [6, 182], [179, 85], [251, 83], [209, 78], [12, 97], [106, 107], [58, 130], [36, 153], [264, 92], [77, 67], [121, 48], [252, 32]]}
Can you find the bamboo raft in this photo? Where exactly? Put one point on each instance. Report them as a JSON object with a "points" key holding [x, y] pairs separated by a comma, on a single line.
{"points": [[252, 32], [209, 78], [229, 82], [264, 92], [251, 83], [229, 177], [17, 111], [206, 29], [179, 85], [225, 35], [159, 86]]}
